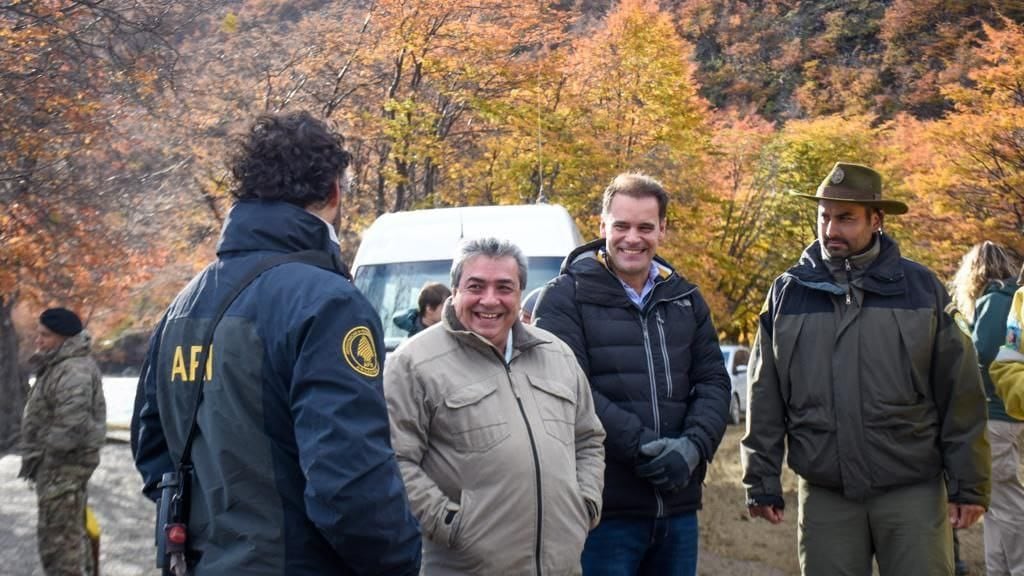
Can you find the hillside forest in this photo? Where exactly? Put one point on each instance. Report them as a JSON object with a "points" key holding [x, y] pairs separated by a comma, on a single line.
{"points": [[116, 117]]}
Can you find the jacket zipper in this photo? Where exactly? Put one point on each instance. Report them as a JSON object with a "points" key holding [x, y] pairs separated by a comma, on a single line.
{"points": [[536, 463], [664, 351], [654, 397], [653, 304], [849, 285]]}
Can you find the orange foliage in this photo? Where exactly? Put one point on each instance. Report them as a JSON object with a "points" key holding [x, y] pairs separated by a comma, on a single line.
{"points": [[70, 69]]}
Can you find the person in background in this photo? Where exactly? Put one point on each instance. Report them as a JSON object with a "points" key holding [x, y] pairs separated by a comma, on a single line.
{"points": [[63, 429], [529, 303], [494, 427], [1007, 370], [644, 336], [428, 310], [982, 290], [865, 384]]}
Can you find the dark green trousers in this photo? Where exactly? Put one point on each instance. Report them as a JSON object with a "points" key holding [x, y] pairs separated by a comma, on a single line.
{"points": [[906, 530]]}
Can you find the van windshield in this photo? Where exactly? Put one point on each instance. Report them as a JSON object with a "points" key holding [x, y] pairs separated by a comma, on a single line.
{"points": [[395, 287]]}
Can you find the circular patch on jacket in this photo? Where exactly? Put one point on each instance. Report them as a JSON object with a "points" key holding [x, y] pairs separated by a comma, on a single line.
{"points": [[360, 352]]}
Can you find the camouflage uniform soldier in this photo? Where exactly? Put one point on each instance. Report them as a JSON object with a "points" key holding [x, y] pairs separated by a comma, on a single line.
{"points": [[63, 429]]}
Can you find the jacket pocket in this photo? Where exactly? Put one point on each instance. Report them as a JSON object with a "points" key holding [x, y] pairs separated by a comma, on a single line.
{"points": [[903, 444], [804, 357], [557, 406], [812, 452], [898, 373], [457, 521], [475, 417]]}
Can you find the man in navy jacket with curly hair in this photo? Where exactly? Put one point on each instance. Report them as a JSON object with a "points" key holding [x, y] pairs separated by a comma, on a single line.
{"points": [[644, 337], [293, 467]]}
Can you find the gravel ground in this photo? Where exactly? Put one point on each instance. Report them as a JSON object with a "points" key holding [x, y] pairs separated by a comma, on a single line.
{"points": [[731, 544], [126, 518]]}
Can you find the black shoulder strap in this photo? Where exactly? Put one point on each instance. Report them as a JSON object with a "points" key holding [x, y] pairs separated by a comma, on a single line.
{"points": [[318, 258]]}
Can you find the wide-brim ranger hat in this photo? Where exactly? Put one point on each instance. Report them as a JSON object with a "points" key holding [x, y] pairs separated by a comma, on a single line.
{"points": [[855, 183]]}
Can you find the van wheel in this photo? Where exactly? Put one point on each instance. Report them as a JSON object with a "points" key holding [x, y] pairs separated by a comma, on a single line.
{"points": [[734, 409]]}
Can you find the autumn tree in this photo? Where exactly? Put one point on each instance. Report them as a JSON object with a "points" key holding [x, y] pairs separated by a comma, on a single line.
{"points": [[622, 98], [741, 219], [436, 67], [404, 81], [786, 58], [930, 44], [968, 168], [758, 229], [67, 175], [798, 59]]}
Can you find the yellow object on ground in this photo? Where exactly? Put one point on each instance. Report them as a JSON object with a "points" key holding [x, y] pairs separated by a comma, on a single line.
{"points": [[92, 525]]}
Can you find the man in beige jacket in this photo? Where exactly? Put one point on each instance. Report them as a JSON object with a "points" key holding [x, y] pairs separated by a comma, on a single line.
{"points": [[493, 424]]}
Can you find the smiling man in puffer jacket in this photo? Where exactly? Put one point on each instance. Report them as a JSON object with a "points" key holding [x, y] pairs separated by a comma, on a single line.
{"points": [[644, 336]]}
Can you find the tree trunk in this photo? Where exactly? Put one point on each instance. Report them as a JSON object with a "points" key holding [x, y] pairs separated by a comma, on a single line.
{"points": [[13, 385]]}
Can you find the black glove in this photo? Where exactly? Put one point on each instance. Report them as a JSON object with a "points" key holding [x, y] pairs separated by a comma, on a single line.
{"points": [[674, 459], [773, 500]]}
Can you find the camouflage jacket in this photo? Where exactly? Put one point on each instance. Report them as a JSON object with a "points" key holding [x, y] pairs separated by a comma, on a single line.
{"points": [[65, 419]]}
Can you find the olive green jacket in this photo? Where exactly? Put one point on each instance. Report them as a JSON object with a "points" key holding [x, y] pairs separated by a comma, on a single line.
{"points": [[884, 394], [65, 420]]}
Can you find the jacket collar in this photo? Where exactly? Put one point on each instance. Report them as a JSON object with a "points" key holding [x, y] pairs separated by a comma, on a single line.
{"points": [[77, 345], [884, 276], [258, 225], [600, 285], [1006, 287]]}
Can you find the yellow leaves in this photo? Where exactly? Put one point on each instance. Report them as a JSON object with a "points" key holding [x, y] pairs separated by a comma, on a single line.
{"points": [[636, 85], [968, 167], [451, 101], [999, 82], [230, 23]]}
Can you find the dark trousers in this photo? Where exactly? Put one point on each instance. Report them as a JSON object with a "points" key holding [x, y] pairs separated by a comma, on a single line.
{"points": [[643, 547]]}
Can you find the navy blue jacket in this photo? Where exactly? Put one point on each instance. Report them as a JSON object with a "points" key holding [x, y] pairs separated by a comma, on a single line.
{"points": [[655, 372], [294, 472]]}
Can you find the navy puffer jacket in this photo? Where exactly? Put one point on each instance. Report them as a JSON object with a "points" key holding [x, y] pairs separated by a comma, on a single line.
{"points": [[655, 372]]}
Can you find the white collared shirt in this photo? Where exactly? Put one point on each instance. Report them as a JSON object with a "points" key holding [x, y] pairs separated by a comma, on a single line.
{"points": [[638, 299], [508, 347]]}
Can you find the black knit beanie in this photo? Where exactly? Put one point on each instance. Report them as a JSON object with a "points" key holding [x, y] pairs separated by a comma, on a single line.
{"points": [[61, 321]]}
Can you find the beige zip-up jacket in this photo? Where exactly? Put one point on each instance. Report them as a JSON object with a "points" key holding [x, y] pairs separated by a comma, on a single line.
{"points": [[503, 463]]}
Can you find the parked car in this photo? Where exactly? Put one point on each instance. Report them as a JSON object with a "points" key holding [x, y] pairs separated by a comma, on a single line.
{"points": [[736, 358]]}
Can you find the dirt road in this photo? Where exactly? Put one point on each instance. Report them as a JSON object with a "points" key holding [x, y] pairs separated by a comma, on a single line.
{"points": [[126, 518], [731, 544], [727, 532]]}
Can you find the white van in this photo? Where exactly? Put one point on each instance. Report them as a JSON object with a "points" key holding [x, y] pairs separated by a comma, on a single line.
{"points": [[401, 251]]}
